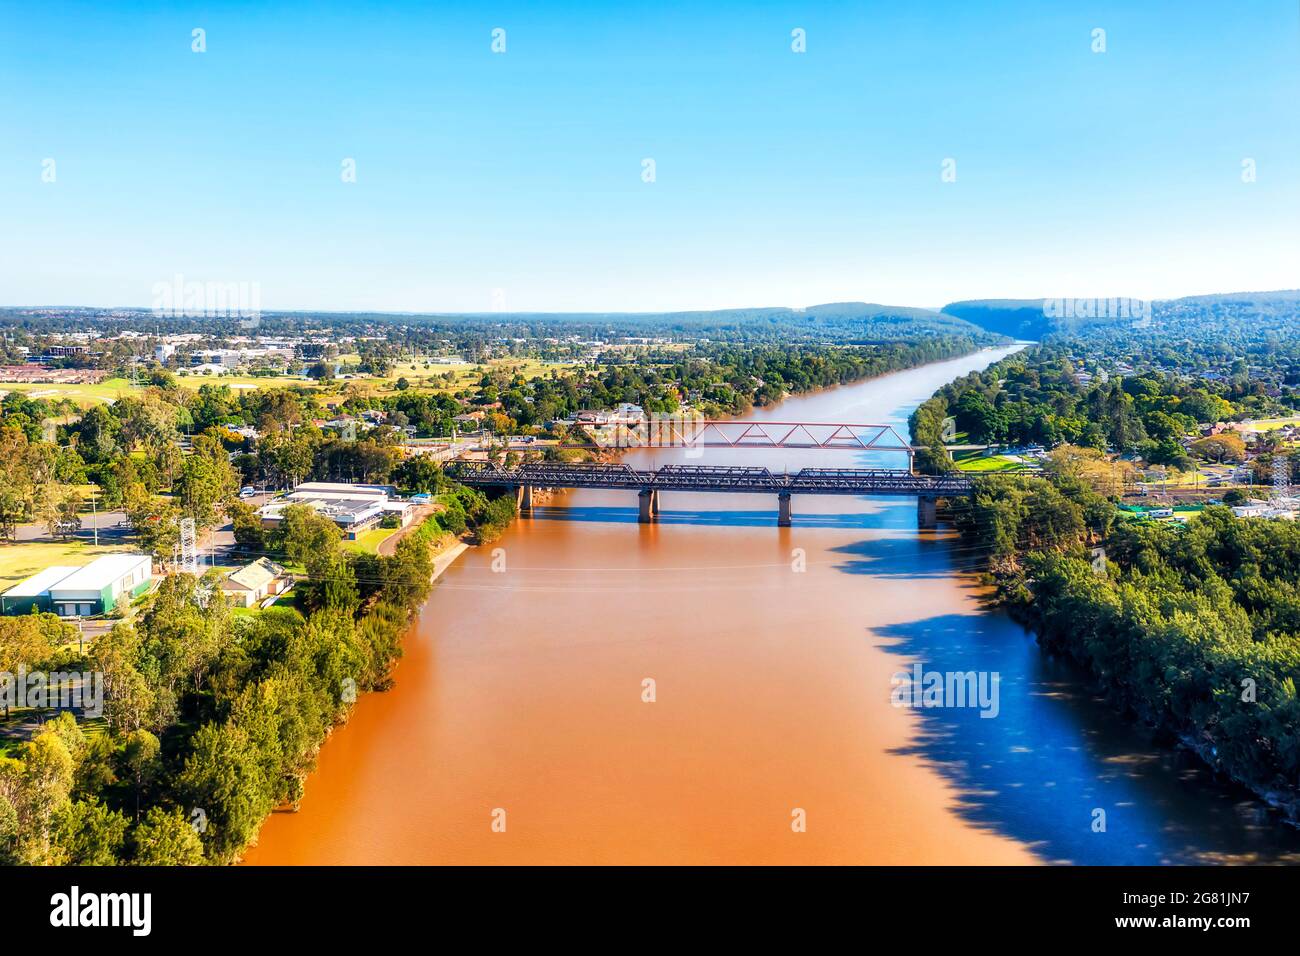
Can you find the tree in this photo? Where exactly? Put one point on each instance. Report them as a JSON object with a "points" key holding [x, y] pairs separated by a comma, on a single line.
{"points": [[87, 833], [183, 637], [980, 420], [140, 756], [201, 486], [12, 508], [333, 581], [60, 511], [307, 534], [1222, 447], [10, 827], [29, 640], [130, 700], [249, 534], [224, 778], [419, 473], [156, 522], [167, 838], [96, 434], [1102, 473], [46, 782]]}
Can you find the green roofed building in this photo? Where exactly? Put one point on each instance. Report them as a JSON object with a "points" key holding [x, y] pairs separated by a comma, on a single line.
{"points": [[33, 593], [101, 585], [96, 588]]}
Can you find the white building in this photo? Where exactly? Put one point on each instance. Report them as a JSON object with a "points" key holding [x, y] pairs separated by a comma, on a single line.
{"points": [[253, 583], [102, 585], [354, 508]]}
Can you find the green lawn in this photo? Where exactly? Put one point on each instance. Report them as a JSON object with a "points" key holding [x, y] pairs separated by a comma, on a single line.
{"points": [[985, 464], [1269, 424], [368, 541], [416, 374], [108, 390], [289, 600], [245, 382], [20, 560]]}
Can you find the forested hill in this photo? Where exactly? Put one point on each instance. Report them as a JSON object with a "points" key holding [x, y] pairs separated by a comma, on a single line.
{"points": [[1192, 316], [1015, 318]]}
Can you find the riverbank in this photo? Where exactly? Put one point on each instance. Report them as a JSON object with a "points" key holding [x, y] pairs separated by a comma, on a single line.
{"points": [[771, 653], [447, 557], [509, 699]]}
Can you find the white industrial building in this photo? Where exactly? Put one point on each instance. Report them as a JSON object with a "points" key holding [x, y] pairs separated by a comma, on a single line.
{"points": [[354, 508]]}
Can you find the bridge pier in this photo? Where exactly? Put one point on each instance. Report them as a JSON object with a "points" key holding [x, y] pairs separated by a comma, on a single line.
{"points": [[927, 512], [783, 510], [526, 480]]}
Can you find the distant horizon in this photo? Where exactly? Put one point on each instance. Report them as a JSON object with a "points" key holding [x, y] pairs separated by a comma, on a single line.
{"points": [[649, 158], [655, 312]]}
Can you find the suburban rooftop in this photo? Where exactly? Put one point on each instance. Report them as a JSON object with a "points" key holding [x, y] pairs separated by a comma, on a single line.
{"points": [[102, 571], [41, 581]]}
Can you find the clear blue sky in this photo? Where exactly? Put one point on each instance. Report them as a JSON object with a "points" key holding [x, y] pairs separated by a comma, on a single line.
{"points": [[781, 178]]}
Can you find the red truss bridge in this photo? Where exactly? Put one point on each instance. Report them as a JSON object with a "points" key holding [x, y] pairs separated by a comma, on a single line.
{"points": [[675, 432]]}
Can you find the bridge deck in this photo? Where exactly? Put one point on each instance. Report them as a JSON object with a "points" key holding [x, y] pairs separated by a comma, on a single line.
{"points": [[718, 478]]}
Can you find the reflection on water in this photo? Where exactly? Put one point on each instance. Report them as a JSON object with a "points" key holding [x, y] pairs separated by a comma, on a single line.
{"points": [[731, 519], [771, 652]]}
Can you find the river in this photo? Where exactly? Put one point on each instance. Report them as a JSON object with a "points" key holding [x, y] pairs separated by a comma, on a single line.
{"points": [[517, 730]]}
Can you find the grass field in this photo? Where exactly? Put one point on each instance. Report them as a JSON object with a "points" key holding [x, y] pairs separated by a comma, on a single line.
{"points": [[988, 464], [240, 382], [84, 395], [1268, 424], [417, 374], [16, 729], [20, 560], [368, 541], [430, 376]]}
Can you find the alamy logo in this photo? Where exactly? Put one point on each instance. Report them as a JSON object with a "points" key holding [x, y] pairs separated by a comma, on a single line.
{"points": [[134, 910], [925, 689], [179, 298], [63, 690], [1097, 308]]}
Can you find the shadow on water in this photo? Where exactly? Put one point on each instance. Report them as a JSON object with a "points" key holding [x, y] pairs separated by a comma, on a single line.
{"points": [[725, 519], [1055, 753], [914, 556]]}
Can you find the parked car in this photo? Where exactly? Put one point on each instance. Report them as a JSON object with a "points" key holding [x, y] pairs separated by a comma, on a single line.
{"points": [[247, 491]]}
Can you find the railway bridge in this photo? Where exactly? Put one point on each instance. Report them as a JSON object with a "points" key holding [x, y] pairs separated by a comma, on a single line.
{"points": [[729, 479]]}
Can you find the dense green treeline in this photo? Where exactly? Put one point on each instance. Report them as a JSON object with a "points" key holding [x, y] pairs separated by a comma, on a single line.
{"points": [[385, 337], [211, 719], [1039, 396], [715, 378], [1194, 628]]}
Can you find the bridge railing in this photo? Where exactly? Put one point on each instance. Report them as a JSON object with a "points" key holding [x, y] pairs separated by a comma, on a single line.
{"points": [[710, 478]]}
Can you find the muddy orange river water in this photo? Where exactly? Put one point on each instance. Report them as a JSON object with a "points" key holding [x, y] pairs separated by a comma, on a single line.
{"points": [[518, 730]]}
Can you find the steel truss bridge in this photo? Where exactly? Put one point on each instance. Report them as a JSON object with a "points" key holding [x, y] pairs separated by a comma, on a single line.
{"points": [[522, 479], [677, 431]]}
